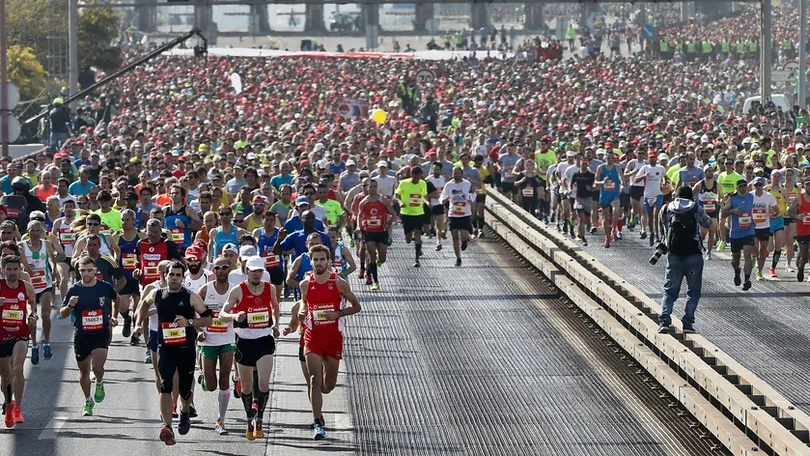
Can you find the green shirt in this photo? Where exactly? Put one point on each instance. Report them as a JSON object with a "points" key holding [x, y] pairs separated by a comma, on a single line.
{"points": [[333, 210], [112, 219], [412, 197]]}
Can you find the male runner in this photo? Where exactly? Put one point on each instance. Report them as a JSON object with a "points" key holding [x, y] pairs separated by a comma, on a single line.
{"points": [[41, 255], [18, 311], [374, 220], [127, 240], [177, 331], [459, 195], [609, 178], [652, 174], [709, 193], [323, 293], [91, 301], [437, 211], [249, 306], [197, 275], [763, 209], [800, 210], [740, 206], [67, 237], [411, 195]]}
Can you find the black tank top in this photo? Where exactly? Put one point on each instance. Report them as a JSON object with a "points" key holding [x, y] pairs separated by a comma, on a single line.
{"points": [[704, 189], [171, 212], [169, 306]]}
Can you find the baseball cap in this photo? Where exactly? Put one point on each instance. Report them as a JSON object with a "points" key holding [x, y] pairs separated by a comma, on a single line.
{"points": [[194, 252], [383, 163], [301, 200], [742, 183], [759, 181], [570, 153], [230, 247], [260, 199], [351, 163], [254, 263], [247, 251]]}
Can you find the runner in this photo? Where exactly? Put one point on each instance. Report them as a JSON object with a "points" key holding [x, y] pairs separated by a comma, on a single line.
{"points": [[151, 250], [376, 214], [274, 264], [41, 255], [225, 233], [459, 195], [581, 190], [324, 293], [67, 237], [437, 211], [709, 193], [176, 307], [180, 219], [739, 207], [652, 175], [91, 300], [800, 210], [609, 178], [127, 240], [216, 342], [778, 228], [342, 259], [197, 275], [411, 195], [92, 223], [763, 209], [253, 308], [19, 312]]}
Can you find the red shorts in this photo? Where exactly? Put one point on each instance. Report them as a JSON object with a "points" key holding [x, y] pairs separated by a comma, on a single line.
{"points": [[325, 348]]}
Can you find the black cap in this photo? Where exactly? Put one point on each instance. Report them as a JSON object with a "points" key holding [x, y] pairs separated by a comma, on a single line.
{"points": [[742, 182], [685, 192]]}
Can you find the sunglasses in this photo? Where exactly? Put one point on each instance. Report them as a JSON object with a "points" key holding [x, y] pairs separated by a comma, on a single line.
{"points": [[225, 214], [309, 194], [239, 221], [259, 204], [93, 224], [219, 268], [193, 260]]}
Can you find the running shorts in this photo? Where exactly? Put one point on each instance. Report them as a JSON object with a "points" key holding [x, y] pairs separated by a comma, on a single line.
{"points": [[84, 343], [249, 351]]}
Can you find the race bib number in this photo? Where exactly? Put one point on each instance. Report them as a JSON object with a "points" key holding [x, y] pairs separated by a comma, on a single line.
{"points": [[609, 185], [651, 201], [577, 205], [217, 325], [177, 235], [320, 312], [151, 271], [710, 206], [479, 191], [338, 265], [528, 192], [459, 208], [373, 221], [745, 220], [258, 318], [271, 261], [38, 279], [415, 200], [806, 219], [173, 334], [128, 261], [92, 320], [14, 316], [760, 215], [67, 238]]}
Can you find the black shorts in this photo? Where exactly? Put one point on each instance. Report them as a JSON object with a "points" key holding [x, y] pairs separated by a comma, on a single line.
{"points": [[636, 192], [789, 220], [181, 360], [438, 210], [39, 295], [132, 287], [508, 187], [301, 356], [379, 238], [249, 351], [411, 223], [738, 244], [762, 234], [460, 223], [67, 261], [803, 240], [7, 347], [84, 343], [481, 199], [624, 201], [276, 276]]}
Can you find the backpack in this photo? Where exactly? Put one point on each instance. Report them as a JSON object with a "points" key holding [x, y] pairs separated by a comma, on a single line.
{"points": [[682, 230]]}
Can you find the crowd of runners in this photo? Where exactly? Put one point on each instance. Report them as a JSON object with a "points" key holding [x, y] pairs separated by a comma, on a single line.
{"points": [[187, 209]]}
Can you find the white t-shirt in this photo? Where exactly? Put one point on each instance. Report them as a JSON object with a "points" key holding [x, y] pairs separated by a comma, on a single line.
{"points": [[632, 165], [461, 196], [195, 285], [386, 185], [762, 210], [237, 276], [652, 184], [437, 182], [567, 175]]}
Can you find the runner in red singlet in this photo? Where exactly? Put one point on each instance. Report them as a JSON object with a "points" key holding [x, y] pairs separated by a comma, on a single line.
{"points": [[17, 311], [323, 293], [375, 218], [358, 234], [800, 210]]}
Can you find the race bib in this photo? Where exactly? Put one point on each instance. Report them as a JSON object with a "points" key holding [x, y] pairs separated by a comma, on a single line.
{"points": [[271, 261], [479, 191], [177, 235], [14, 316], [217, 325], [172, 334], [760, 215], [415, 200], [651, 201], [67, 238], [38, 279], [338, 265], [609, 186], [528, 192], [744, 220], [319, 313], [373, 221], [710, 206], [151, 271], [507, 175], [806, 219], [258, 318], [128, 261], [577, 205], [92, 320], [459, 208]]}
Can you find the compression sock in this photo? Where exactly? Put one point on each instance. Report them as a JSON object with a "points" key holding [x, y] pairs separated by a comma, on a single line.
{"points": [[373, 271], [775, 260], [263, 396], [418, 248], [224, 399], [247, 401]]}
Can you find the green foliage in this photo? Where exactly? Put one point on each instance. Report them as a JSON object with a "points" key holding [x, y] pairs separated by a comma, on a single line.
{"points": [[25, 71], [98, 27]]}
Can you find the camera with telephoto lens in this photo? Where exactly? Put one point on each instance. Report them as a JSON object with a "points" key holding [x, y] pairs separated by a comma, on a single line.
{"points": [[660, 249]]}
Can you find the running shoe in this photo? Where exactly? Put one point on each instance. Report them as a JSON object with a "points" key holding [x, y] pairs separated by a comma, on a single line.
{"points": [[619, 236], [320, 433], [458, 261], [652, 241], [135, 341], [18, 418], [368, 279], [709, 255], [416, 263], [747, 285], [46, 351], [584, 242], [167, 436], [737, 280], [258, 432], [88, 408], [376, 286], [35, 355], [607, 243], [721, 246], [148, 358], [438, 247], [464, 245], [800, 276], [237, 388], [249, 431], [201, 381], [185, 423], [127, 330], [789, 270], [362, 274], [9, 411], [99, 395], [760, 276], [643, 235], [772, 273], [663, 328], [593, 230], [220, 428]]}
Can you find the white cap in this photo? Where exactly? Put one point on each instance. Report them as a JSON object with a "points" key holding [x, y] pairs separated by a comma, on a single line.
{"points": [[746, 141], [350, 163], [322, 164], [254, 263], [251, 156], [382, 163], [663, 157], [570, 153], [600, 151], [799, 146], [247, 251], [319, 147]]}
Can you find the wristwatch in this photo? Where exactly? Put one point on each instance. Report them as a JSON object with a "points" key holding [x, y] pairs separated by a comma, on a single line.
{"points": [[190, 322]]}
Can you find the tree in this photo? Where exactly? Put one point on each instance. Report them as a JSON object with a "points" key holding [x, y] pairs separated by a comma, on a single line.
{"points": [[30, 22], [25, 71], [98, 27]]}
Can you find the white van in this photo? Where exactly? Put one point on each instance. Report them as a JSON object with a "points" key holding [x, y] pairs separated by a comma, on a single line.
{"points": [[778, 99]]}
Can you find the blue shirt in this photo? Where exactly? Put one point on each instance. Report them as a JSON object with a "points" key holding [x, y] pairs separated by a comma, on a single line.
{"points": [[278, 180], [296, 224], [93, 302], [334, 169], [297, 241], [77, 189], [742, 225], [690, 176], [5, 181]]}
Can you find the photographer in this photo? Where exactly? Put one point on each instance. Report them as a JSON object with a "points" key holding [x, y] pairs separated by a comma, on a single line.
{"points": [[680, 221]]}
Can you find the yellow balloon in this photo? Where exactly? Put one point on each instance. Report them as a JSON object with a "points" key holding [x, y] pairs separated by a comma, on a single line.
{"points": [[379, 116]]}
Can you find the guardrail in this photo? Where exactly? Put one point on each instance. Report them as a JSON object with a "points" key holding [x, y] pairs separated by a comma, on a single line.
{"points": [[744, 413]]}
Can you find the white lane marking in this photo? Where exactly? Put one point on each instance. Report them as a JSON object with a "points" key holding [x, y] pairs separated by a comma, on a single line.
{"points": [[53, 427]]}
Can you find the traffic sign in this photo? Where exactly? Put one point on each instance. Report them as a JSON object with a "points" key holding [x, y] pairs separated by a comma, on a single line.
{"points": [[648, 32], [13, 97], [782, 75], [791, 65], [13, 128], [425, 76]]}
